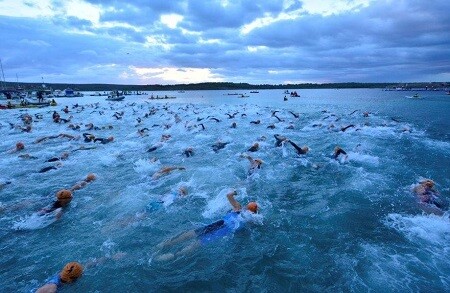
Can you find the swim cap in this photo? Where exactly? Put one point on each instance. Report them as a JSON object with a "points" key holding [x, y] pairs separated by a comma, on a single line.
{"points": [[90, 177], [111, 138], [20, 145], [64, 194], [71, 272], [252, 206]]}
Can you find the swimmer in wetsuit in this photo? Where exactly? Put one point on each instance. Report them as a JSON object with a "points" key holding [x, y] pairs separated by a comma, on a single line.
{"points": [[300, 150], [233, 221], [429, 197], [70, 273], [280, 139], [63, 198], [104, 140], [337, 152]]}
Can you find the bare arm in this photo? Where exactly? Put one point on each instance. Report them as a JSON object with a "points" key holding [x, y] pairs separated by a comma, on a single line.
{"points": [[236, 205], [47, 288]]}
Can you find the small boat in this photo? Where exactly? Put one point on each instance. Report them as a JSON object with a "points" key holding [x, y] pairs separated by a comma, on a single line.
{"points": [[254, 92], [415, 96], [115, 98]]}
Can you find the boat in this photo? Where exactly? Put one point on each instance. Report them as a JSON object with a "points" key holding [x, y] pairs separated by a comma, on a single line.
{"points": [[254, 92], [115, 98], [152, 97], [415, 96], [35, 102], [243, 96], [294, 94]]}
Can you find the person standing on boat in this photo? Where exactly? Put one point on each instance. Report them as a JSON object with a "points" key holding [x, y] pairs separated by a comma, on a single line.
{"points": [[40, 97]]}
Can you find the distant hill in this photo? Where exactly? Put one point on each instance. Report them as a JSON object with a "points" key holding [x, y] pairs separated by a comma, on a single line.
{"points": [[228, 86]]}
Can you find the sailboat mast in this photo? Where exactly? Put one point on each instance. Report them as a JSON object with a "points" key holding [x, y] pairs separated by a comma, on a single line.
{"points": [[3, 74]]}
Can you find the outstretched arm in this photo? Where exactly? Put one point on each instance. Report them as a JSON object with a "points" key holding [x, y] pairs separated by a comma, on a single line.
{"points": [[236, 205]]}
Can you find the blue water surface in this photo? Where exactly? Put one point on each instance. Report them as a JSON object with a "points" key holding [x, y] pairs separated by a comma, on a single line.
{"points": [[349, 225]]}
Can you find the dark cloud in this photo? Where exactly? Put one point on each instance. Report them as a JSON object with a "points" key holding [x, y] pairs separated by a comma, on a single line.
{"points": [[386, 41]]}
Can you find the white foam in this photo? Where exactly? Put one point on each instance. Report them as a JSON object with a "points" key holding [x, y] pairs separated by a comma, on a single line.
{"points": [[424, 228]]}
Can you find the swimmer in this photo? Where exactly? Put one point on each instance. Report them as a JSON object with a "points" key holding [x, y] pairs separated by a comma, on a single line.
{"points": [[165, 171], [280, 139], [254, 147], [427, 194], [3, 184], [63, 156], [69, 274], [104, 140], [19, 147], [89, 178], [48, 168], [300, 150], [219, 145], [255, 164], [233, 221], [88, 137], [167, 199], [339, 151], [63, 198], [189, 152], [233, 125]]}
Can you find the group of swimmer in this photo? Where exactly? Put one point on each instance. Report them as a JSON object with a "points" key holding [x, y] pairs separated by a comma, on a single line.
{"points": [[236, 219]]}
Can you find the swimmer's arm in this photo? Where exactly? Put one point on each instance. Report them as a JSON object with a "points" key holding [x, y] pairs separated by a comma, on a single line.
{"points": [[47, 288], [236, 205]]}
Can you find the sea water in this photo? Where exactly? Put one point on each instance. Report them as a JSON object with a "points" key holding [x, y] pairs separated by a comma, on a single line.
{"points": [[349, 225]]}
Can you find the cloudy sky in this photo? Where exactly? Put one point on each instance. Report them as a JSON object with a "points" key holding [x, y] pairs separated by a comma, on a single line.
{"points": [[254, 41]]}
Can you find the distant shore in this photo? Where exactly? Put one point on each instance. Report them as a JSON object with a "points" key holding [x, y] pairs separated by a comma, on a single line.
{"points": [[418, 86]]}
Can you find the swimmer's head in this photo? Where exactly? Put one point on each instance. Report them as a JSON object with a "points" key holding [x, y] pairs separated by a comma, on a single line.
{"points": [[337, 148], [305, 149], [20, 146], [90, 177], [111, 138], [64, 155], [427, 183], [183, 191], [71, 272], [64, 197], [252, 206], [64, 194]]}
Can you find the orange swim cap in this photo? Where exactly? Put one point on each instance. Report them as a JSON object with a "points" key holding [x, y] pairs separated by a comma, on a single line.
{"points": [[90, 177], [252, 206], [64, 194], [71, 272]]}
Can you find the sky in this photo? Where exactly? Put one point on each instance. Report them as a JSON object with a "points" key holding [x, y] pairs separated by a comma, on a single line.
{"points": [[251, 41]]}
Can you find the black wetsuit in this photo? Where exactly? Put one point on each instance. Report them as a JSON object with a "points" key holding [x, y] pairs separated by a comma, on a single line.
{"points": [[299, 150], [279, 139], [45, 169], [88, 137], [338, 152], [102, 140]]}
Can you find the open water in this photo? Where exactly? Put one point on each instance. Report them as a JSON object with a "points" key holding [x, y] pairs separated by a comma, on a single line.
{"points": [[327, 225]]}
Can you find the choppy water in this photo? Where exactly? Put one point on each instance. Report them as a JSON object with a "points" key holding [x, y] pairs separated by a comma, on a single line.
{"points": [[350, 226]]}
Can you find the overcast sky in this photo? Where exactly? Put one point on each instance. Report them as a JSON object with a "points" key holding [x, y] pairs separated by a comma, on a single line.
{"points": [[254, 41]]}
